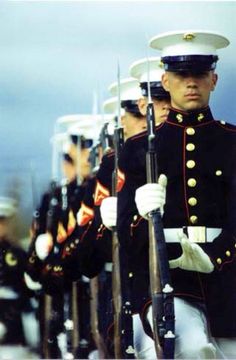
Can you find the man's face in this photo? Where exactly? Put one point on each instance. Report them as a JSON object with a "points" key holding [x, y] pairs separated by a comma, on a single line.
{"points": [[189, 91], [132, 125], [161, 108], [69, 170], [83, 163], [81, 160], [4, 228]]}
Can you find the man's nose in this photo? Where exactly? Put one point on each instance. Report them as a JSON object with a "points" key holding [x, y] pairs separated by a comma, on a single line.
{"points": [[191, 81]]}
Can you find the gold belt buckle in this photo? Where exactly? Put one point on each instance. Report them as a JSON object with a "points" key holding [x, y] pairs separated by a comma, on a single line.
{"points": [[196, 234]]}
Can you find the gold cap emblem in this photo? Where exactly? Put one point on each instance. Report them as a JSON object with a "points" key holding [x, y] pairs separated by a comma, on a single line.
{"points": [[189, 36]]}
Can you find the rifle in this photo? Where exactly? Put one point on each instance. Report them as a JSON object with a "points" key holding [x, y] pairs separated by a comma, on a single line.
{"points": [[98, 339], [105, 139], [70, 311], [160, 281], [123, 322], [116, 281], [47, 304], [94, 158], [49, 339], [53, 309]]}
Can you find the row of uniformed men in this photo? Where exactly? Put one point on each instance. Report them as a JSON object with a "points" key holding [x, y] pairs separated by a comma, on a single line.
{"points": [[196, 157]]}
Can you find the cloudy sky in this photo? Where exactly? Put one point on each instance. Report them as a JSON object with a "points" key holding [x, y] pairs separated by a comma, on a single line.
{"points": [[55, 54]]}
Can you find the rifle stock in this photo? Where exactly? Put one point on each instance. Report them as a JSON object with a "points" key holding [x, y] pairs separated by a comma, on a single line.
{"points": [[47, 303], [75, 318], [94, 285]]}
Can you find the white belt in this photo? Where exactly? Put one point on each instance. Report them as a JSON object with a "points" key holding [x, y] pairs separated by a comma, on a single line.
{"points": [[108, 266], [197, 234], [7, 293]]}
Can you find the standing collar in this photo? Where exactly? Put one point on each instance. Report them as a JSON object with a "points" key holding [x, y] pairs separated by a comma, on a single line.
{"points": [[193, 118]]}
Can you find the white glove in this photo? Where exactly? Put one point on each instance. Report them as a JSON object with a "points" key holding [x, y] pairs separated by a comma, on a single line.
{"points": [[193, 257], [108, 211], [31, 284], [150, 197], [43, 245]]}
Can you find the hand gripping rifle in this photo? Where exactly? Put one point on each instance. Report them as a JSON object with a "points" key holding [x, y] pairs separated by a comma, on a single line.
{"points": [[105, 139], [123, 326], [160, 281]]}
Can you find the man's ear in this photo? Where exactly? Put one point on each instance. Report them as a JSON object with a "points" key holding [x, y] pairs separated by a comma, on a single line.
{"points": [[142, 105], [165, 81], [214, 81]]}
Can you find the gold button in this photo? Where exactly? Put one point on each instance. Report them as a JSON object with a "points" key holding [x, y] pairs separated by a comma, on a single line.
{"points": [[190, 131], [76, 241], [190, 147], [67, 249], [179, 118], [190, 164], [192, 201], [218, 172], [72, 245], [228, 253], [219, 261], [192, 182], [193, 219], [130, 274], [200, 117], [135, 217]]}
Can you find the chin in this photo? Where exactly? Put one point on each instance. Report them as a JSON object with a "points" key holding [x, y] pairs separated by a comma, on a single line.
{"points": [[193, 106]]}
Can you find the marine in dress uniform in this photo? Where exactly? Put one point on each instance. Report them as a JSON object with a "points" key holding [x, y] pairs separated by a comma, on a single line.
{"points": [[197, 155], [14, 295], [47, 256]]}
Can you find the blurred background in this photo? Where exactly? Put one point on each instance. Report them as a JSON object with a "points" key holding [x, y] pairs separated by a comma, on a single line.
{"points": [[55, 55]]}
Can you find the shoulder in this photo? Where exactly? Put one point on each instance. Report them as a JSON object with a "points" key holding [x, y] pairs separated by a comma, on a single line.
{"points": [[107, 165], [227, 127], [108, 159], [133, 152]]}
